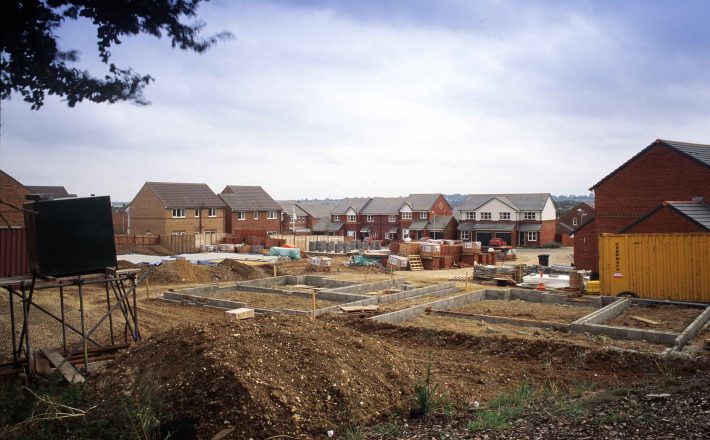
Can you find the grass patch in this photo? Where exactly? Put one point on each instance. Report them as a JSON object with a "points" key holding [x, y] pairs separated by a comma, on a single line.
{"points": [[500, 411], [427, 396], [387, 430]]}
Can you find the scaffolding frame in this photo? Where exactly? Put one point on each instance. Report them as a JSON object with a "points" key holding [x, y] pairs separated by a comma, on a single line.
{"points": [[120, 292]]}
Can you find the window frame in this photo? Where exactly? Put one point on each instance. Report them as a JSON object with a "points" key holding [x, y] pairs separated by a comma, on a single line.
{"points": [[241, 215], [212, 212], [486, 216], [504, 215], [370, 218], [256, 215], [178, 212], [352, 218], [271, 215], [424, 215], [531, 234], [574, 221], [407, 216], [197, 212], [392, 219], [465, 235], [529, 215], [469, 215], [336, 218]]}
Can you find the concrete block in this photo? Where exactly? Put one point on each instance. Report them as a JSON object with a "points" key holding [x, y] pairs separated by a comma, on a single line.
{"points": [[237, 314], [692, 330]]}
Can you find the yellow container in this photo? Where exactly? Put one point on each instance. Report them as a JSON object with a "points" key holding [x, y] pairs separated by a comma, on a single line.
{"points": [[593, 288], [656, 266]]}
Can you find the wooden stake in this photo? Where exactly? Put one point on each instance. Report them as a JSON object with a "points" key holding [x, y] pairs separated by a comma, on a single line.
{"points": [[274, 269], [466, 282], [313, 296]]}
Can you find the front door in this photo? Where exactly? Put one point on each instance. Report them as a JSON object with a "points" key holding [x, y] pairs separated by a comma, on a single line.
{"points": [[521, 238]]}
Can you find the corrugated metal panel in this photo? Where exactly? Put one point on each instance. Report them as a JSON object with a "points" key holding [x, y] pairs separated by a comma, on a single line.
{"points": [[656, 266], [13, 252]]}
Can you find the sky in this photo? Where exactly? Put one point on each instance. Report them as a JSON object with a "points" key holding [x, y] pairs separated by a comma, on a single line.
{"points": [[315, 99]]}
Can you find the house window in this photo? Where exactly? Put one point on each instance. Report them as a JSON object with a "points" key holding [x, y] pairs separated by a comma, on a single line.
{"points": [[406, 216], [351, 233], [387, 235], [212, 212], [178, 212], [197, 212], [336, 218], [270, 233], [531, 236], [469, 216], [574, 221], [352, 218], [210, 231], [241, 215], [370, 218], [504, 216], [485, 216], [392, 218], [528, 216], [271, 215], [405, 233], [423, 215], [256, 215], [465, 235], [179, 232]]}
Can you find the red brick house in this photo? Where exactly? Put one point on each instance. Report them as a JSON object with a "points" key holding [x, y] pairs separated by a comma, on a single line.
{"points": [[682, 216], [251, 211], [418, 213], [294, 219], [572, 219], [166, 208], [379, 218], [347, 212], [665, 170], [12, 192], [518, 219]]}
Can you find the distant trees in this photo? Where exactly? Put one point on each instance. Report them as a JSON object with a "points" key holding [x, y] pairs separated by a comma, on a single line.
{"points": [[32, 64]]}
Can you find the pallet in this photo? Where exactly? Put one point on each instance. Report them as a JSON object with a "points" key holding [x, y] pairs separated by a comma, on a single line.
{"points": [[415, 262], [461, 278], [68, 370]]}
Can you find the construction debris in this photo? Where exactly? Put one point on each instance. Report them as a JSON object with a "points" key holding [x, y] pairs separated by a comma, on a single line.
{"points": [[237, 314], [644, 320]]}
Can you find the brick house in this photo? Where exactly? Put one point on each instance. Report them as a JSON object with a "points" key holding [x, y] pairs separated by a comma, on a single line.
{"points": [[379, 218], [162, 208], [294, 219], [664, 170], [418, 211], [347, 212], [119, 217], [519, 219], [317, 211], [57, 192], [572, 219], [681, 216], [12, 192], [251, 210]]}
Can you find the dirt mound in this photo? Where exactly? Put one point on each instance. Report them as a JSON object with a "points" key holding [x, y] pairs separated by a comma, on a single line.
{"points": [[238, 271], [181, 271], [273, 376], [123, 264]]}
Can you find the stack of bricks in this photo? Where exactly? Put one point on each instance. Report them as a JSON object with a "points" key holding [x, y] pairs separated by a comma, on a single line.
{"points": [[455, 251], [432, 263], [409, 249]]}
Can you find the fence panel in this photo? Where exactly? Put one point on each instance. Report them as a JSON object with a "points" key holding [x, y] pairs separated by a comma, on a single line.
{"points": [[13, 252]]}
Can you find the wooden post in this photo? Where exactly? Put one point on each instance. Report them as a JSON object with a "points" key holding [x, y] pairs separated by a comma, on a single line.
{"points": [[466, 284], [313, 297], [274, 269]]}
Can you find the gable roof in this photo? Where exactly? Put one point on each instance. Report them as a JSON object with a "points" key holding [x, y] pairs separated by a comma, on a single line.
{"points": [[327, 226], [248, 198], [521, 202], [440, 222], [57, 192], [696, 152], [185, 195], [356, 203], [316, 209], [383, 205], [289, 207], [422, 202], [697, 211]]}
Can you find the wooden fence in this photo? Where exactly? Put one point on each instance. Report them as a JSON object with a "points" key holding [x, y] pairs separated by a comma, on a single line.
{"points": [[13, 252], [179, 244]]}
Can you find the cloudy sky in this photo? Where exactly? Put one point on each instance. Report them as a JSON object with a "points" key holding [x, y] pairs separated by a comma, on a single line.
{"points": [[333, 99]]}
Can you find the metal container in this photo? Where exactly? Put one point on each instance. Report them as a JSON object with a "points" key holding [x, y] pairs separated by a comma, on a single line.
{"points": [[656, 266], [329, 246], [321, 246]]}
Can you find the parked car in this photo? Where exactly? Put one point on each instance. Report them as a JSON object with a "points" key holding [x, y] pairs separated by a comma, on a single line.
{"points": [[497, 242]]}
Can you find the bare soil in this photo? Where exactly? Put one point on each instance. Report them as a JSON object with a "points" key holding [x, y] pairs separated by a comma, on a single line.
{"points": [[275, 301], [411, 302], [670, 318], [526, 310], [484, 329]]}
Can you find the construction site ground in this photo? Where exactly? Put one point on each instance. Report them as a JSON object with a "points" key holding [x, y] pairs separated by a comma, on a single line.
{"points": [[672, 318], [524, 309], [275, 301], [283, 376]]}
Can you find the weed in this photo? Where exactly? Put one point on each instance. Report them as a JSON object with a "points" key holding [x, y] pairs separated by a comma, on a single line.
{"points": [[427, 396], [503, 409], [353, 433], [387, 430]]}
